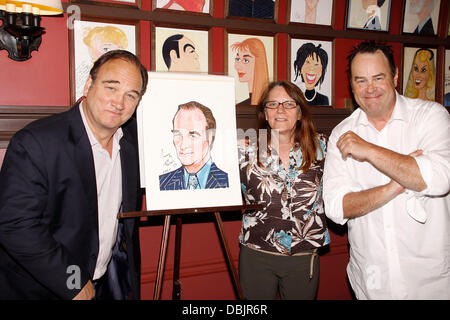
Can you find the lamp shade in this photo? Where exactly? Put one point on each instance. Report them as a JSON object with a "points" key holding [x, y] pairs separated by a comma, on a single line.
{"points": [[46, 7]]}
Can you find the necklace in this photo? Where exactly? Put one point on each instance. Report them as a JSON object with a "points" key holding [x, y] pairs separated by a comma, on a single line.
{"points": [[309, 100]]}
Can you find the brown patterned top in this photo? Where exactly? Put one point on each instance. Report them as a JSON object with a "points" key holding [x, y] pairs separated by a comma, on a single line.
{"points": [[293, 219]]}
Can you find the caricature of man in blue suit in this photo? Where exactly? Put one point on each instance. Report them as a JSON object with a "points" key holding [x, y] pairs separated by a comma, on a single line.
{"points": [[193, 137]]}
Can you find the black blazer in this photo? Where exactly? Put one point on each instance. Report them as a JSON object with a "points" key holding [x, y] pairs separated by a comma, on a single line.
{"points": [[48, 209]]}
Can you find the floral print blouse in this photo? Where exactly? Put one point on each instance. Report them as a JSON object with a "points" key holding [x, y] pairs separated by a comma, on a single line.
{"points": [[293, 219]]}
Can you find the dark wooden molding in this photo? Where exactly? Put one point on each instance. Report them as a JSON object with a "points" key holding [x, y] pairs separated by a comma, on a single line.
{"points": [[14, 118]]}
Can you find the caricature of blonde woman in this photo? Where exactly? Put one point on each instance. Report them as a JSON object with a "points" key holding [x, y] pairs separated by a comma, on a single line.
{"points": [[98, 41], [103, 39], [251, 65], [421, 80]]}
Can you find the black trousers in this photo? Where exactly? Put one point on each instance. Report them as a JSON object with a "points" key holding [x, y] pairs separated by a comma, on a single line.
{"points": [[263, 275]]}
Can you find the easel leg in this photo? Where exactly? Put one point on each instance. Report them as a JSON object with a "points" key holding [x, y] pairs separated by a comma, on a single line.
{"points": [[162, 258], [176, 289], [228, 257]]}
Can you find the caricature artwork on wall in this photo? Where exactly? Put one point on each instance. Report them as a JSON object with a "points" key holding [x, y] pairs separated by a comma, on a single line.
{"points": [[419, 73], [447, 79], [194, 128], [91, 40], [311, 11], [181, 50], [184, 5], [187, 141], [250, 61], [262, 9], [421, 17], [311, 70], [369, 14]]}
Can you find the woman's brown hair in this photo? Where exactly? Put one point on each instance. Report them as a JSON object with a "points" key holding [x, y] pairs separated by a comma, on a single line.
{"points": [[305, 134]]}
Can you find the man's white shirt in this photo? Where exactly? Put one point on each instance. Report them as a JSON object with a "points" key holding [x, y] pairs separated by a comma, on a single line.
{"points": [[401, 250], [108, 176]]}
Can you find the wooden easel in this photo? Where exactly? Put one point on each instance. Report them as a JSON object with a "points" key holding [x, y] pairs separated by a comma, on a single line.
{"points": [[176, 292]]}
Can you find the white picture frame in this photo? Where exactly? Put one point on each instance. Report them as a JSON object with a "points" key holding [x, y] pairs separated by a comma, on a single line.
{"points": [[242, 87], [84, 54], [157, 153]]}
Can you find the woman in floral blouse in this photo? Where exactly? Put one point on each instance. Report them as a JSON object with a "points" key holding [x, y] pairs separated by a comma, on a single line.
{"points": [[279, 243]]}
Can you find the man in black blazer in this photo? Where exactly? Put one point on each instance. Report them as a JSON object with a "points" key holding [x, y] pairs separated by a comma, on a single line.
{"points": [[62, 183]]}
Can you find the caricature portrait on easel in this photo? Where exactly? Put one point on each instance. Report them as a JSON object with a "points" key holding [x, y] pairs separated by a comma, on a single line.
{"points": [[421, 17], [181, 50]]}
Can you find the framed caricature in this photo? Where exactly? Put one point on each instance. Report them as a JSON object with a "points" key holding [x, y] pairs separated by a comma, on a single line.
{"points": [[419, 73], [90, 39], [311, 69], [368, 15], [182, 50], [250, 60], [113, 3], [261, 9], [447, 79], [421, 17], [318, 12], [199, 6], [193, 162]]}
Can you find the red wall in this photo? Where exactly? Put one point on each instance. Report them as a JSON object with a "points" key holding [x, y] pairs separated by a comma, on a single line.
{"points": [[44, 79]]}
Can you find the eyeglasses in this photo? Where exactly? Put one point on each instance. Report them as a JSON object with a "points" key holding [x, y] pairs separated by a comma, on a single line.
{"points": [[289, 104]]}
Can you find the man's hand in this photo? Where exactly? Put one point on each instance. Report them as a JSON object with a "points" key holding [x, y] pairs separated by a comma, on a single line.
{"points": [[352, 145], [87, 293]]}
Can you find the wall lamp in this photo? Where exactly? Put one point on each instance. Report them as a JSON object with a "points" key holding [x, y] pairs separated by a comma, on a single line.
{"points": [[20, 25]]}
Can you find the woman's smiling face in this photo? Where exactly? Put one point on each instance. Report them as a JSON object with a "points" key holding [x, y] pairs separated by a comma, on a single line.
{"points": [[311, 71]]}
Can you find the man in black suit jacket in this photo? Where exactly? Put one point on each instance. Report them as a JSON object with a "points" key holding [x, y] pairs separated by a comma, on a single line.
{"points": [[52, 210]]}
